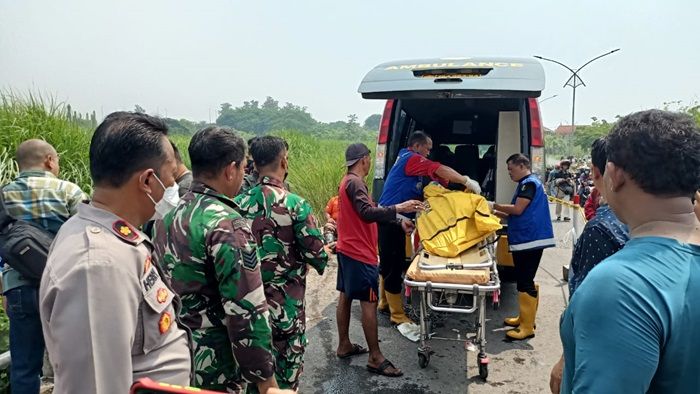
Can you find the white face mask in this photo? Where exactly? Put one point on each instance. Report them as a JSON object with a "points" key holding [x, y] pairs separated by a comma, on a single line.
{"points": [[171, 196]]}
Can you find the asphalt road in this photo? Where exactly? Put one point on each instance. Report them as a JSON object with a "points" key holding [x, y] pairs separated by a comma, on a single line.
{"points": [[515, 367]]}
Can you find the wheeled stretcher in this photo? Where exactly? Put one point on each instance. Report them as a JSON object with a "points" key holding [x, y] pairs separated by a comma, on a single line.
{"points": [[440, 282]]}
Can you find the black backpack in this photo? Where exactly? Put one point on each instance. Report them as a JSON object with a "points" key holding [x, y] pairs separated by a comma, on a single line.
{"points": [[23, 245]]}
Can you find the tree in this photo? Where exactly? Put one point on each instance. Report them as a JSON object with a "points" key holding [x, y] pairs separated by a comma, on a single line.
{"points": [[139, 109], [271, 104], [225, 107], [372, 122], [585, 135]]}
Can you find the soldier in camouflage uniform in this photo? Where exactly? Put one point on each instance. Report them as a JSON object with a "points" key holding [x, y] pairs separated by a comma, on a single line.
{"points": [[288, 241], [208, 251]]}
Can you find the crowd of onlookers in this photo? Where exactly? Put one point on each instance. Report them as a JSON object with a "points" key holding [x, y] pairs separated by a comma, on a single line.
{"points": [[199, 277]]}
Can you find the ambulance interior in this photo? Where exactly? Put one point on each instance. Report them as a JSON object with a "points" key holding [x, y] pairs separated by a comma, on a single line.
{"points": [[472, 136]]}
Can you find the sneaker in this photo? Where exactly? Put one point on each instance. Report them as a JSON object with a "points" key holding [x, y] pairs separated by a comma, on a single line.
{"points": [[558, 218], [566, 219]]}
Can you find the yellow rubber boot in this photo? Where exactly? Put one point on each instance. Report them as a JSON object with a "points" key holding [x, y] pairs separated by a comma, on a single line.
{"points": [[383, 305], [515, 321], [512, 321], [528, 311], [398, 315]]}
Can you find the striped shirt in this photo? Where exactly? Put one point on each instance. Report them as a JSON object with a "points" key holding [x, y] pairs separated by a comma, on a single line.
{"points": [[40, 198]]}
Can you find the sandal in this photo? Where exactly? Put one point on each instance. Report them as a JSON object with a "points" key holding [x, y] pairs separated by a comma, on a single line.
{"points": [[356, 350], [382, 369]]}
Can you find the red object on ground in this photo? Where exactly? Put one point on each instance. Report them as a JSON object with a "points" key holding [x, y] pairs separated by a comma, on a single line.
{"points": [[148, 386]]}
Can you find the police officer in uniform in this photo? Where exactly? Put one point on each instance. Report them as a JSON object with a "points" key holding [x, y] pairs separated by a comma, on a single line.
{"points": [[108, 316]]}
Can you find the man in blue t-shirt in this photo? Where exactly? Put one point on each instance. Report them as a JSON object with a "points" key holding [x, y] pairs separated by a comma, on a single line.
{"points": [[602, 237], [630, 328]]}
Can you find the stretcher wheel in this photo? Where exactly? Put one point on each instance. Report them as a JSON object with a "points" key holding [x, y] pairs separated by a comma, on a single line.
{"points": [[423, 360], [483, 371], [483, 362]]}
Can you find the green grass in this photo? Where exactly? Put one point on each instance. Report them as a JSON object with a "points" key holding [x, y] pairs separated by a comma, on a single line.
{"points": [[30, 116], [316, 165]]}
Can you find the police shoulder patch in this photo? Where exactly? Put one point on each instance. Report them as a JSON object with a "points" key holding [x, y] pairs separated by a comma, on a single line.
{"points": [[250, 259], [125, 231]]}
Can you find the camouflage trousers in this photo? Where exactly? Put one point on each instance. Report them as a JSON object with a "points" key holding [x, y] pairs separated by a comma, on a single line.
{"points": [[289, 357], [288, 351], [214, 366]]}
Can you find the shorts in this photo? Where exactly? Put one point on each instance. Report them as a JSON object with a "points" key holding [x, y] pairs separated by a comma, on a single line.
{"points": [[359, 281]]}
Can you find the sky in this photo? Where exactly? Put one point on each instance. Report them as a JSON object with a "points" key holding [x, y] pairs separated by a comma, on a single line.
{"points": [[182, 59]]}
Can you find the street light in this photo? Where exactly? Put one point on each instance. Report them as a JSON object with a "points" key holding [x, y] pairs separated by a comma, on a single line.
{"points": [[575, 81]]}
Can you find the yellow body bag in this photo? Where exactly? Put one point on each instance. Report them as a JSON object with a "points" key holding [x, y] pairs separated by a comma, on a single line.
{"points": [[454, 221]]}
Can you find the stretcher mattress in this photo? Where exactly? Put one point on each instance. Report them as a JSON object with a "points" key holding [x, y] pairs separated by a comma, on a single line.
{"points": [[455, 275]]}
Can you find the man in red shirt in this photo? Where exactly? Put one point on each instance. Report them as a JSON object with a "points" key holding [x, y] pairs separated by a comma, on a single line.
{"points": [[357, 257], [405, 182]]}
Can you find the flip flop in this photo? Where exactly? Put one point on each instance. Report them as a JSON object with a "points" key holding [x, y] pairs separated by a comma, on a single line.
{"points": [[381, 370], [356, 350]]}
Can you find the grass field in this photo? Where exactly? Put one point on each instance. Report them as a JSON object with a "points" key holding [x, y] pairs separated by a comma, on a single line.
{"points": [[316, 165]]}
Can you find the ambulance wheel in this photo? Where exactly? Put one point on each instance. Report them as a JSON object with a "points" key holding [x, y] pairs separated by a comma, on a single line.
{"points": [[423, 360]]}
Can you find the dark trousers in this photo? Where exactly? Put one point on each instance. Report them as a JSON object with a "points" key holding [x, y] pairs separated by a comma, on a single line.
{"points": [[526, 263], [392, 256], [26, 339]]}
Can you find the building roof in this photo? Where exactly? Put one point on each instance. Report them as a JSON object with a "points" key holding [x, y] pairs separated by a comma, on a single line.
{"points": [[564, 130]]}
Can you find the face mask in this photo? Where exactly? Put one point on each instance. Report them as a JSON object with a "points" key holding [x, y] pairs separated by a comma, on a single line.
{"points": [[171, 196]]}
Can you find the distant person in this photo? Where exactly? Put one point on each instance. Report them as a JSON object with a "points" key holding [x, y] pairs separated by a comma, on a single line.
{"points": [[108, 316], [602, 237], [357, 257], [550, 180], [37, 196], [563, 181], [631, 325], [697, 204], [208, 251], [289, 245], [333, 209], [529, 233], [403, 183], [330, 229], [183, 175]]}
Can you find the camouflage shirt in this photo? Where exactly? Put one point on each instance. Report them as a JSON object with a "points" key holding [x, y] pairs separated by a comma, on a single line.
{"points": [[209, 253], [288, 239]]}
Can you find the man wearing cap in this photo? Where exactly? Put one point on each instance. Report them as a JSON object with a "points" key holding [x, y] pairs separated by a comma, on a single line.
{"points": [[357, 257], [403, 183]]}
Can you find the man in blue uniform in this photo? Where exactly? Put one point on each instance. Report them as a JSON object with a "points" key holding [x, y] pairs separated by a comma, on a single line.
{"points": [[529, 233], [402, 184]]}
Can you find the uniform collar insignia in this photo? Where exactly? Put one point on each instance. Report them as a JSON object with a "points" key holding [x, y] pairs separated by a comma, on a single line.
{"points": [[126, 232]]}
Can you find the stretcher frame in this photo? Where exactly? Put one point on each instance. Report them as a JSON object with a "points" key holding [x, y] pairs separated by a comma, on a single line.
{"points": [[430, 291]]}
